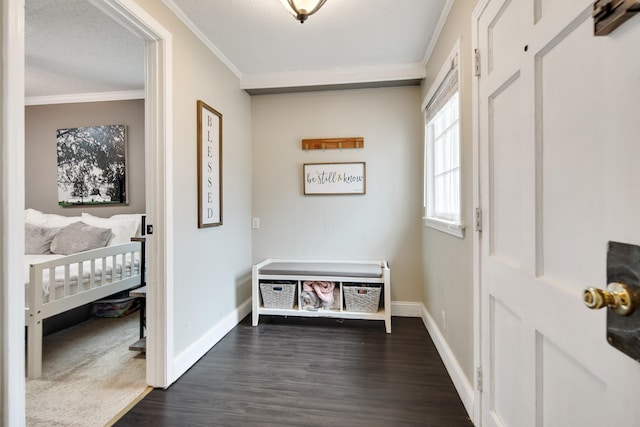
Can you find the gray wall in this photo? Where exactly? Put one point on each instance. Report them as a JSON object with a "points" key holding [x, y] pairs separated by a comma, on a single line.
{"points": [[3, 208], [448, 260], [382, 224], [41, 123], [212, 266]]}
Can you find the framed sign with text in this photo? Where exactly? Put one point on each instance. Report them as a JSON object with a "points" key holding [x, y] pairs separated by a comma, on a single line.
{"points": [[334, 178], [209, 166]]}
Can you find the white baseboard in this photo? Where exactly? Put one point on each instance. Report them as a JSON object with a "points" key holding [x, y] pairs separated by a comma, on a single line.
{"points": [[460, 381], [406, 309], [187, 358]]}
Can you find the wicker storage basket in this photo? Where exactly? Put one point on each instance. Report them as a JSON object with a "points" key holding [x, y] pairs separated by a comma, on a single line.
{"points": [[278, 295], [365, 299]]}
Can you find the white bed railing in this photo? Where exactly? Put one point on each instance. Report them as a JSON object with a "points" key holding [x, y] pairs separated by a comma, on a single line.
{"points": [[78, 279]]}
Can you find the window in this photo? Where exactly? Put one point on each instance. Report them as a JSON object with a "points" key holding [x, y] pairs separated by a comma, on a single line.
{"points": [[442, 151]]}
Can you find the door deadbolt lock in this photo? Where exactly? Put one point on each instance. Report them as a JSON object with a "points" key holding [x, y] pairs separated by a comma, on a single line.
{"points": [[618, 297]]}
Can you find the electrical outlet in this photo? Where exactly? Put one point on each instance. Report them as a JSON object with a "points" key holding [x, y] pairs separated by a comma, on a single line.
{"points": [[255, 223], [444, 320]]}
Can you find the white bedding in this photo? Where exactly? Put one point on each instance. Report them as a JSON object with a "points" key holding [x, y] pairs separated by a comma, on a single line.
{"points": [[59, 289]]}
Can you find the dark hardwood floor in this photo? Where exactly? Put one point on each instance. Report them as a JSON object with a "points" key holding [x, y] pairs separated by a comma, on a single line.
{"points": [[311, 372]]}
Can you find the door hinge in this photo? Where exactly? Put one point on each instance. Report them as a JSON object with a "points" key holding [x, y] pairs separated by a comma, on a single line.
{"points": [[478, 219], [479, 378], [476, 62]]}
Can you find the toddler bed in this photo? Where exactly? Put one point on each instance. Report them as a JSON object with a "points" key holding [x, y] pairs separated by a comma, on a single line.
{"points": [[73, 261]]}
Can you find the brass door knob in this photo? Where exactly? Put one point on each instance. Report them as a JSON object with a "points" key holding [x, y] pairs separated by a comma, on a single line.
{"points": [[618, 297]]}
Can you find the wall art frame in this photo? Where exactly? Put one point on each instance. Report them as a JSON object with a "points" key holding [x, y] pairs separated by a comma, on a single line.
{"points": [[92, 165], [209, 133], [334, 178]]}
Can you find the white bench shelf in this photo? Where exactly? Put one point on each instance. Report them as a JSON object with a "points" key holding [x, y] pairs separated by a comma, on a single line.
{"points": [[342, 273]]}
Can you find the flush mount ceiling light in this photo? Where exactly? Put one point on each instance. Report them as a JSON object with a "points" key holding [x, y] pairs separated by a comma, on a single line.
{"points": [[302, 9]]}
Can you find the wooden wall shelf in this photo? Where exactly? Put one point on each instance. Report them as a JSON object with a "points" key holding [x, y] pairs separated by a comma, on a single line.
{"points": [[332, 143]]}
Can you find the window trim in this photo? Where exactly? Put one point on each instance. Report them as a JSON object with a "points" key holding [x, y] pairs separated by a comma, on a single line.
{"points": [[439, 86], [449, 227]]}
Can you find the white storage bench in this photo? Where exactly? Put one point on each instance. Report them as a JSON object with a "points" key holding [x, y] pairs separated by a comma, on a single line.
{"points": [[362, 289]]}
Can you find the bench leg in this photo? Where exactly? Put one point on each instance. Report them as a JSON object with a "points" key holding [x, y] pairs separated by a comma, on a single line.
{"points": [[254, 310], [255, 297]]}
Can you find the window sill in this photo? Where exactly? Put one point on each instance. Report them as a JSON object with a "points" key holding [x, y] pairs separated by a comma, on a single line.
{"points": [[448, 227]]}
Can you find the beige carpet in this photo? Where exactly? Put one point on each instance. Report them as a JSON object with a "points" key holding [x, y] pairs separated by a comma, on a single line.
{"points": [[89, 374]]}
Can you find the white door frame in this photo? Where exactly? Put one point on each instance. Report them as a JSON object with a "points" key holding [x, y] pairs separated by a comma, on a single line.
{"points": [[159, 198], [477, 299], [158, 181], [12, 343]]}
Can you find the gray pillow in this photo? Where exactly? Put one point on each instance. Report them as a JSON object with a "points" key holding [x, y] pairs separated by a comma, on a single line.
{"points": [[79, 237], [37, 239]]}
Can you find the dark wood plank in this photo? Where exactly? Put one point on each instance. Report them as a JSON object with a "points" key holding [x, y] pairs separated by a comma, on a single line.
{"points": [[332, 143], [311, 372]]}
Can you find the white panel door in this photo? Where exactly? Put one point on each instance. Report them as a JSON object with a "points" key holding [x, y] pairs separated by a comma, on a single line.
{"points": [[559, 172]]}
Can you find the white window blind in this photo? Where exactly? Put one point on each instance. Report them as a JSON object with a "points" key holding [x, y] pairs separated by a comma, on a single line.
{"points": [[442, 154], [448, 86]]}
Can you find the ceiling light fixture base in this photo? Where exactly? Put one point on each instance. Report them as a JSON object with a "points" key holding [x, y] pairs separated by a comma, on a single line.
{"points": [[303, 9]]}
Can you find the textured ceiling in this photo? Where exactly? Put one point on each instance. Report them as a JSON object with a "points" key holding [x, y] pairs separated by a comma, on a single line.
{"points": [[73, 48]]}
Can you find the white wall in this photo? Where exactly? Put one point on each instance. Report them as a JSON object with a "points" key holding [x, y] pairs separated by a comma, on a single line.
{"points": [[4, 342], [382, 224], [448, 260], [41, 123], [212, 265]]}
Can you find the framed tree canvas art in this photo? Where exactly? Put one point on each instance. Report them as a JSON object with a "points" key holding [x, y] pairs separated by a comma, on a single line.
{"points": [[92, 165]]}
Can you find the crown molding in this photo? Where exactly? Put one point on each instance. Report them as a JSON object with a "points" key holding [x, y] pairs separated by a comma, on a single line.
{"points": [[84, 97], [436, 33], [200, 35]]}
